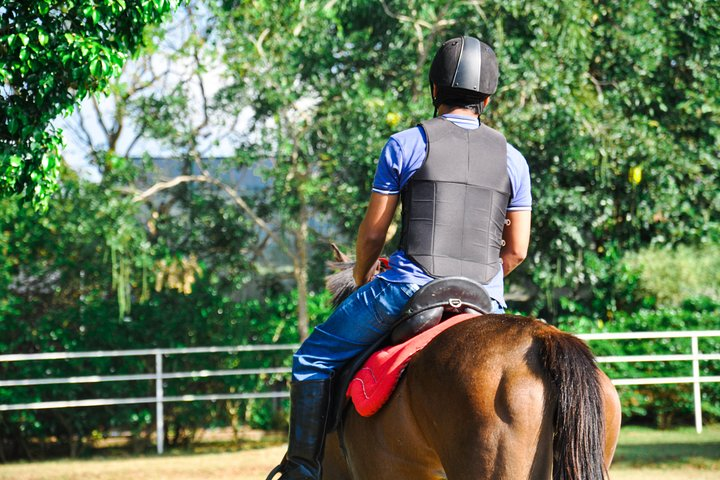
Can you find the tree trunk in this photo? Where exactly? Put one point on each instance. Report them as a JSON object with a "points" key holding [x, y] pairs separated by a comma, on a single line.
{"points": [[301, 274]]}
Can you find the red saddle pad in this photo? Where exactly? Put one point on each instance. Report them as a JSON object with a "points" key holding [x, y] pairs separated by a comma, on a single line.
{"points": [[376, 380]]}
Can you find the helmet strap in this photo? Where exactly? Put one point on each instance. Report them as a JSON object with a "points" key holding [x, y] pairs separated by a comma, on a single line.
{"points": [[434, 100]]}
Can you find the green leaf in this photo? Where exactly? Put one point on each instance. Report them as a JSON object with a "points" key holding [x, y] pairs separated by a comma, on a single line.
{"points": [[96, 67], [15, 161], [28, 62]]}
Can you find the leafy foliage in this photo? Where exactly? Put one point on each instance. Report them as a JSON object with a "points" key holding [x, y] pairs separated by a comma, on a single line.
{"points": [[610, 102], [54, 54], [671, 276], [57, 296], [647, 66], [613, 104], [199, 319]]}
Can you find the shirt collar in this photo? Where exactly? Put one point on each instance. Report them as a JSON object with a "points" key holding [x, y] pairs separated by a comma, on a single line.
{"points": [[462, 119]]}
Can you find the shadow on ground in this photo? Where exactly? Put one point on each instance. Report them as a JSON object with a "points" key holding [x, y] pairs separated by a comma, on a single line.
{"points": [[702, 455]]}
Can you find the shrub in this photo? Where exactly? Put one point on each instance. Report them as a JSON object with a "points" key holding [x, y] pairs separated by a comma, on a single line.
{"points": [[672, 275], [202, 318]]}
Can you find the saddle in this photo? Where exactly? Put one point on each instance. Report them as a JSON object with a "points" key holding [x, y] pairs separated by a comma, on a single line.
{"points": [[430, 305]]}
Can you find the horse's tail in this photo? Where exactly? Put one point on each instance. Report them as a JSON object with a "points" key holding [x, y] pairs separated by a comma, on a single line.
{"points": [[579, 422]]}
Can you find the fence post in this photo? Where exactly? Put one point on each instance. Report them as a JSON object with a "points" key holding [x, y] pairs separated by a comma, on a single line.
{"points": [[159, 415], [696, 384]]}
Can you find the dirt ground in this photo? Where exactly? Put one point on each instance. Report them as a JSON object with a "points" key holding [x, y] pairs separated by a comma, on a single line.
{"points": [[643, 454], [245, 465]]}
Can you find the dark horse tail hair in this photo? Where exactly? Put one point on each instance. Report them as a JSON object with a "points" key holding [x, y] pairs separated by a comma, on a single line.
{"points": [[579, 423]]}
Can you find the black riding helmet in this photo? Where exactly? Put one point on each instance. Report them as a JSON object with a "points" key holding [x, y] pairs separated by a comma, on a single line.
{"points": [[465, 71]]}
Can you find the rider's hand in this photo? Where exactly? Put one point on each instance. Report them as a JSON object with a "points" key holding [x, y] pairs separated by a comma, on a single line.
{"points": [[381, 264], [363, 278]]}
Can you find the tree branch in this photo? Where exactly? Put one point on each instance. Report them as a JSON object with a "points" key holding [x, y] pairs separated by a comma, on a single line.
{"points": [[160, 186], [203, 95], [598, 86], [134, 141], [258, 43], [418, 25], [86, 134], [422, 23], [100, 119], [239, 201]]}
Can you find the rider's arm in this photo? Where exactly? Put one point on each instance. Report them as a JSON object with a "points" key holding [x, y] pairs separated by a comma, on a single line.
{"points": [[517, 238], [371, 236]]}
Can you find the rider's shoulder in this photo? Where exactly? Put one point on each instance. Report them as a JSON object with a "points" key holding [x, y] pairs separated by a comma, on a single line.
{"points": [[410, 136], [514, 154]]}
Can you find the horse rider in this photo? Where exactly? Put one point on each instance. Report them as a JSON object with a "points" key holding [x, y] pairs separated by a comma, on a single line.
{"points": [[466, 212]]}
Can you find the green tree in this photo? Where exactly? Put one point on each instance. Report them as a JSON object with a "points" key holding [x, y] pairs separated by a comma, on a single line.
{"points": [[614, 105], [170, 225], [54, 54], [56, 295]]}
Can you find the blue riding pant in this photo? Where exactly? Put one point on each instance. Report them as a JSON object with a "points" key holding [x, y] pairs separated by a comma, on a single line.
{"points": [[365, 316]]}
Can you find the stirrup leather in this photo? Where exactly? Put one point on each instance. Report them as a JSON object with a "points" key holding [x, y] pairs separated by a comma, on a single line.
{"points": [[276, 470]]}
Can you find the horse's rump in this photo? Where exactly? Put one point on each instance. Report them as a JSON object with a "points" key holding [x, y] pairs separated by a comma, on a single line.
{"points": [[484, 400]]}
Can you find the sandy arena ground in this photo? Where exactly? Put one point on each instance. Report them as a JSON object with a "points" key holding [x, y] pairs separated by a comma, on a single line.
{"points": [[246, 465]]}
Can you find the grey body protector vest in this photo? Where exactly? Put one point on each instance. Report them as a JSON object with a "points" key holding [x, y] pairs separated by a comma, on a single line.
{"points": [[454, 206]]}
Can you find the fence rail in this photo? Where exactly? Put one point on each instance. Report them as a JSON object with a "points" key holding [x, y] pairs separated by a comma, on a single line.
{"points": [[159, 375], [695, 357]]}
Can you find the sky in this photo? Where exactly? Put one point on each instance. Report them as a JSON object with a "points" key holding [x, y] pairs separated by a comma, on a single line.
{"points": [[84, 128]]}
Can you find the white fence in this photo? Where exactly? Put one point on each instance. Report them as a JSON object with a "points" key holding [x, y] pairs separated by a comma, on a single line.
{"points": [[695, 356], [158, 376]]}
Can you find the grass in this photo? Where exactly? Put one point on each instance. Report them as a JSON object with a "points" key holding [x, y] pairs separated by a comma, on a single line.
{"points": [[642, 454], [678, 454]]}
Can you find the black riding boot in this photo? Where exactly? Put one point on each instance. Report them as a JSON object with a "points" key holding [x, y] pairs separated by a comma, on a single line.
{"points": [[309, 404]]}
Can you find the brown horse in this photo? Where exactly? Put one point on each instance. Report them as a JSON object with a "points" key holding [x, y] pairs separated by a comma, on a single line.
{"points": [[494, 397]]}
